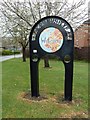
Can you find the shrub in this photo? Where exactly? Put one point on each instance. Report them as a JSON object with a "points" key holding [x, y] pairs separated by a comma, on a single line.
{"points": [[9, 52], [17, 52]]}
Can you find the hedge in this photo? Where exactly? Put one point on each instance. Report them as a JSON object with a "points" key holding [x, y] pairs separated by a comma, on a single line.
{"points": [[9, 52]]}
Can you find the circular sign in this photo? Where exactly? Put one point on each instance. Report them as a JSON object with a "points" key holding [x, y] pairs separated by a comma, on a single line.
{"points": [[51, 39]]}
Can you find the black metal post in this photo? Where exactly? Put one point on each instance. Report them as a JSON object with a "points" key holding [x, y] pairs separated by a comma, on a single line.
{"points": [[34, 79], [68, 81]]}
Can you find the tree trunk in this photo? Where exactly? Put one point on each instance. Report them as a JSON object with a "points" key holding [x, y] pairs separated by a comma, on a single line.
{"points": [[46, 62], [24, 56]]}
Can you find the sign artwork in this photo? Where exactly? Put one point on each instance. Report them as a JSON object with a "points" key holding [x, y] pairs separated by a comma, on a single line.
{"points": [[51, 39]]}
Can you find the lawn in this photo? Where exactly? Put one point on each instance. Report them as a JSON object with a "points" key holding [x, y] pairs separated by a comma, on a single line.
{"points": [[16, 83]]}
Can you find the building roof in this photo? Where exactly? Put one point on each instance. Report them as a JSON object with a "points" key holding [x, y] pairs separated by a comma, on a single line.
{"points": [[87, 21]]}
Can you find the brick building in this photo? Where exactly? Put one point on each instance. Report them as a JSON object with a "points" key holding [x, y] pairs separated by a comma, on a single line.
{"points": [[81, 35], [82, 40]]}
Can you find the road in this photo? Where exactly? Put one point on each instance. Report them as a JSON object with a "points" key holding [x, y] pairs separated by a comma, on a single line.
{"points": [[4, 58]]}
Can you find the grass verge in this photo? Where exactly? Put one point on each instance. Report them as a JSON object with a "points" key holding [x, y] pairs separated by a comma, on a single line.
{"points": [[16, 82]]}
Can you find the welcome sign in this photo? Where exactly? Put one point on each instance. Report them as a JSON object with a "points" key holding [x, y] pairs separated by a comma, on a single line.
{"points": [[52, 35], [51, 39]]}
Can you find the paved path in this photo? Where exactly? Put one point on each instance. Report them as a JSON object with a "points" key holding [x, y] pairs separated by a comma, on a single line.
{"points": [[4, 58]]}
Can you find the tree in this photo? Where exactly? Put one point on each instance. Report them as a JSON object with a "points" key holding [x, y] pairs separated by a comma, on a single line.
{"points": [[15, 26], [23, 15]]}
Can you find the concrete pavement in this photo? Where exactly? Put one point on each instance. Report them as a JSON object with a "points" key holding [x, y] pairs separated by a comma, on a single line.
{"points": [[4, 58]]}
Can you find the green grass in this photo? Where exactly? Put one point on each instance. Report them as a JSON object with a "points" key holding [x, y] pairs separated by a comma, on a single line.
{"points": [[16, 82]]}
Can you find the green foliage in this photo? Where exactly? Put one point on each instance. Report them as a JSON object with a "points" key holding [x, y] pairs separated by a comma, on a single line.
{"points": [[9, 52], [16, 81], [17, 52]]}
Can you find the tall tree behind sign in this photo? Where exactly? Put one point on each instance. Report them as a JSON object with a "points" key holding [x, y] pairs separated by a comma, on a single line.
{"points": [[19, 17]]}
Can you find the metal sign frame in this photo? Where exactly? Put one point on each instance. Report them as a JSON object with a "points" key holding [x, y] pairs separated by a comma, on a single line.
{"points": [[65, 53]]}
